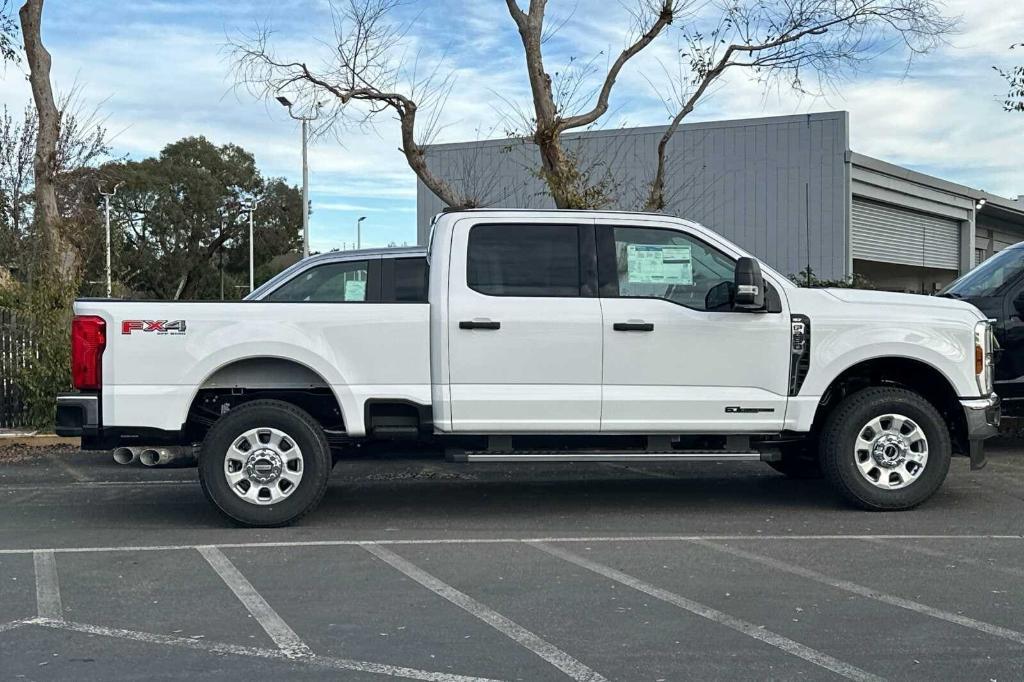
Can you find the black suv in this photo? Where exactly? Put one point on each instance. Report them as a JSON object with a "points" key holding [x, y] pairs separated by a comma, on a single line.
{"points": [[996, 287]]}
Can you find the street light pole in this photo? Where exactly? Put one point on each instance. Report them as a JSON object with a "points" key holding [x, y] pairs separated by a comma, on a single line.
{"points": [[305, 166], [251, 207], [359, 232], [106, 210]]}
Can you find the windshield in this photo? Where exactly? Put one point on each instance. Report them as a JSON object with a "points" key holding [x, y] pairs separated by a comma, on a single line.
{"points": [[989, 277]]}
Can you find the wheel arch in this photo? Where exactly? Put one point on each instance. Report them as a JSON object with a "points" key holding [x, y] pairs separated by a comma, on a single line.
{"points": [[244, 379], [910, 373]]}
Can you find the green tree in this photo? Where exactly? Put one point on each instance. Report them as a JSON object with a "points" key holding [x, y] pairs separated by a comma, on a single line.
{"points": [[179, 219], [1014, 77]]}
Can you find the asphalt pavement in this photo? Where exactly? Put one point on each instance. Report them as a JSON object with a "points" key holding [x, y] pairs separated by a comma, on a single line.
{"points": [[419, 569]]}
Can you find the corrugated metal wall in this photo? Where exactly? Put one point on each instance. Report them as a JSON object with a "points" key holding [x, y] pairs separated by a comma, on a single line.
{"points": [[890, 234], [777, 186]]}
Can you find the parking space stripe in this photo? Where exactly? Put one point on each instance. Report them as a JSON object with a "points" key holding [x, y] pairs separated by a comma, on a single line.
{"points": [[47, 586], [861, 590], [517, 633], [475, 541], [949, 556], [4, 627], [778, 641], [278, 630], [328, 662]]}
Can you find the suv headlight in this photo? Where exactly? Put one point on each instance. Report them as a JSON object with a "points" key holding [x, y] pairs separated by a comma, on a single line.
{"points": [[984, 342]]}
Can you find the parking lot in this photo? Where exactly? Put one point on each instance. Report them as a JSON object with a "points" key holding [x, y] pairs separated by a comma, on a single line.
{"points": [[433, 571]]}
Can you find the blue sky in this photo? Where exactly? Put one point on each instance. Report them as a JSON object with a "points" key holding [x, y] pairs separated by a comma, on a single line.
{"points": [[159, 70]]}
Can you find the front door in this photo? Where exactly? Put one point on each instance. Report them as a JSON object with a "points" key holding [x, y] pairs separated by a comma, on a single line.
{"points": [[670, 363], [524, 328]]}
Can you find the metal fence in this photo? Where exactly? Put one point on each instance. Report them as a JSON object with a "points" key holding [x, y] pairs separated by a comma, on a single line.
{"points": [[15, 348]]}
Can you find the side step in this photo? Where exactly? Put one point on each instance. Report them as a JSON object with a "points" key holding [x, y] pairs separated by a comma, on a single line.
{"points": [[602, 456]]}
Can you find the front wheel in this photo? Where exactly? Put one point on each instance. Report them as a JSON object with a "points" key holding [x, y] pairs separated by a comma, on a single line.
{"points": [[885, 449], [265, 463]]}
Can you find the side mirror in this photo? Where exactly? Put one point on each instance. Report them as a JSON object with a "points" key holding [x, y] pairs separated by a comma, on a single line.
{"points": [[1018, 305], [749, 285]]}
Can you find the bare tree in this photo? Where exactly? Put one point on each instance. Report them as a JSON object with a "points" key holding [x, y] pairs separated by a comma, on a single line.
{"points": [[58, 252], [558, 108], [784, 40], [1014, 77], [368, 73]]}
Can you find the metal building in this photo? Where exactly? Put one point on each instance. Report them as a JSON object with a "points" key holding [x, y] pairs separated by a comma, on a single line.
{"points": [[787, 188]]}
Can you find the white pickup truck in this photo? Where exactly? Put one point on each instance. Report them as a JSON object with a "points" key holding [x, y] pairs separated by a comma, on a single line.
{"points": [[525, 336]]}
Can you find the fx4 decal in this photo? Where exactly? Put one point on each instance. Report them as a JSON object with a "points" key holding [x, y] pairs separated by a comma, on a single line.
{"points": [[160, 327]]}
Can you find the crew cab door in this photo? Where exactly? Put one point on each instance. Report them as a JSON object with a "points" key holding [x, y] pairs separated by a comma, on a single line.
{"points": [[524, 328], [670, 364]]}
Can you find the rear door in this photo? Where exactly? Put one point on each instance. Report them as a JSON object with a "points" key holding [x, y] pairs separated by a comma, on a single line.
{"points": [[670, 363], [524, 327]]}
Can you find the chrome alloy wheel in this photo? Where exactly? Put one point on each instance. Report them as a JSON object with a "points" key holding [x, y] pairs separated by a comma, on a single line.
{"points": [[263, 466], [891, 451]]}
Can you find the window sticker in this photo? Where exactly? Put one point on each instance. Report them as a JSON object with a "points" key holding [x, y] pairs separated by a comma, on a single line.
{"points": [[658, 264], [355, 291]]}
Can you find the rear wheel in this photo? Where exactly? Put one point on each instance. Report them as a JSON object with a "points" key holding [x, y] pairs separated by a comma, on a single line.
{"points": [[265, 463], [885, 449]]}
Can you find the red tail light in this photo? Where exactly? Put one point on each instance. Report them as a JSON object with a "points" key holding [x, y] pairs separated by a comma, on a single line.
{"points": [[88, 339]]}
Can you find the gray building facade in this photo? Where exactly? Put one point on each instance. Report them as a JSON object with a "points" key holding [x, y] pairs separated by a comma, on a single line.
{"points": [[787, 188]]}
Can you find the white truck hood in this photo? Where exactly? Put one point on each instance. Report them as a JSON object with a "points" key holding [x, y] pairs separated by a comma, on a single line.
{"points": [[906, 304]]}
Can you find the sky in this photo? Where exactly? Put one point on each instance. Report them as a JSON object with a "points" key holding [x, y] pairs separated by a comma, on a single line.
{"points": [[159, 70]]}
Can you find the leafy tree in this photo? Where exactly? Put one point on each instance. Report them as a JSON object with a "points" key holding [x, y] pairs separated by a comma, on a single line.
{"points": [[1014, 77], [179, 220]]}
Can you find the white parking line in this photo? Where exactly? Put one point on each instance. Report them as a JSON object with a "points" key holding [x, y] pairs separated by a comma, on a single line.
{"points": [[278, 630], [861, 590], [517, 633], [4, 627], [949, 556], [474, 541], [328, 662], [47, 586], [787, 645]]}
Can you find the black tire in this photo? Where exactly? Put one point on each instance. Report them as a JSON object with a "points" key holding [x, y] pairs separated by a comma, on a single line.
{"points": [[844, 424], [300, 427], [799, 461]]}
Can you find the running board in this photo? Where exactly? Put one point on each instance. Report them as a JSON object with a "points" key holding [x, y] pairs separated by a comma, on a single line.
{"points": [[534, 456]]}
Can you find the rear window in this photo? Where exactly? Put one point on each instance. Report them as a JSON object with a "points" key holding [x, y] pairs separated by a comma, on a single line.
{"points": [[411, 280], [524, 260], [329, 283]]}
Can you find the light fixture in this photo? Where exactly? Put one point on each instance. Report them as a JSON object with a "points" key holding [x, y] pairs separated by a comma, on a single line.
{"points": [[284, 100], [981, 203]]}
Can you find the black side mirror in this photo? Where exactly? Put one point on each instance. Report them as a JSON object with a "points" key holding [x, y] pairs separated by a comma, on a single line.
{"points": [[749, 285], [720, 297], [1018, 305]]}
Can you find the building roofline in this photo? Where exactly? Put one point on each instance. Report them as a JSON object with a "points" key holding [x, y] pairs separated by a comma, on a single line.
{"points": [[657, 129], [903, 173]]}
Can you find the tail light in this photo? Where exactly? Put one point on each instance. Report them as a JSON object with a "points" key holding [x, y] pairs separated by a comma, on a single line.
{"points": [[88, 339]]}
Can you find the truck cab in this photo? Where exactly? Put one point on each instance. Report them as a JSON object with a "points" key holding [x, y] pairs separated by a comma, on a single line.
{"points": [[540, 336]]}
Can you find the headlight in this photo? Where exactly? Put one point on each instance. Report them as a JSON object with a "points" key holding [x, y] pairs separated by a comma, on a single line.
{"points": [[983, 345]]}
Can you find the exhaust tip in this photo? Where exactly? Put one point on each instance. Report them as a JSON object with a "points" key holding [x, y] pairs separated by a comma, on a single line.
{"points": [[124, 455], [150, 457]]}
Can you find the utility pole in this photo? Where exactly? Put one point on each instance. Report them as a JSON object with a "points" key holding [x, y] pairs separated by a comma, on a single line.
{"points": [[250, 206], [359, 232], [305, 166], [106, 207]]}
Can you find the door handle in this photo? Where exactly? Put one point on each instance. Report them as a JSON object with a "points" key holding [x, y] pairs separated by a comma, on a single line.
{"points": [[633, 326], [479, 324]]}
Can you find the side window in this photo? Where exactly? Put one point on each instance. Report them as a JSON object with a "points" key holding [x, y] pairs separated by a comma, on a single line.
{"points": [[656, 263], [329, 283], [410, 280], [524, 260]]}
